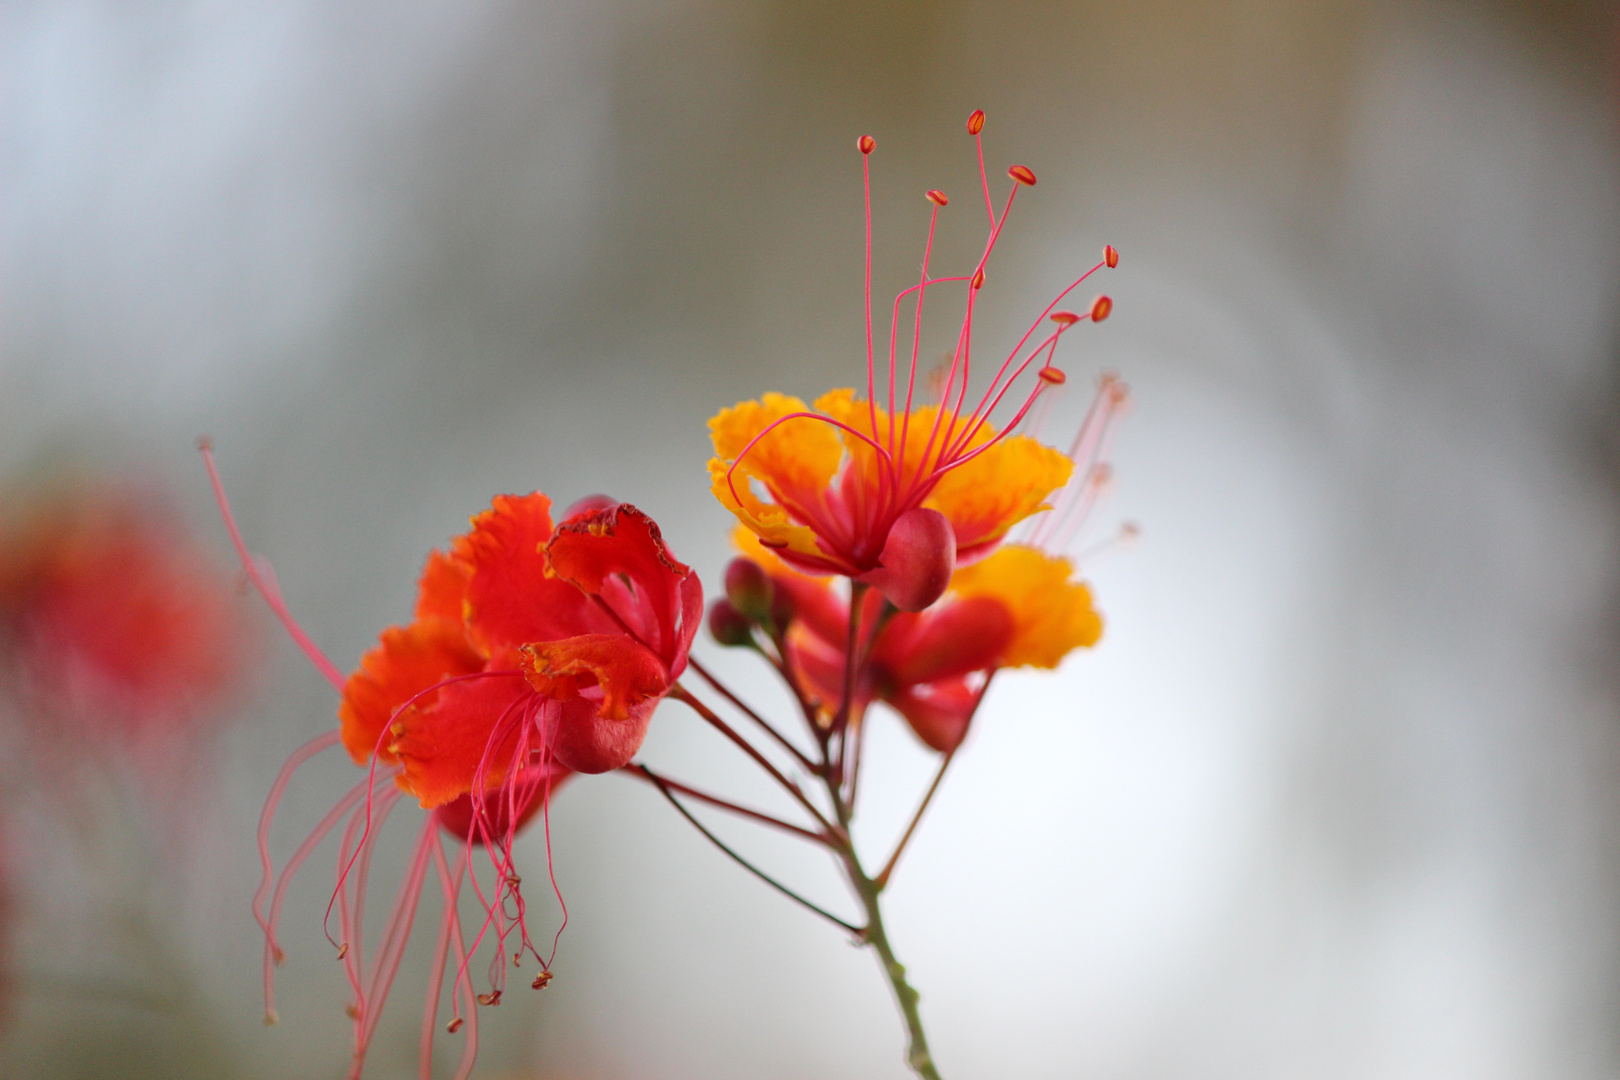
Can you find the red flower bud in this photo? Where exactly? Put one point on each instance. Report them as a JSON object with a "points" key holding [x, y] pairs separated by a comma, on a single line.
{"points": [[728, 626], [749, 589]]}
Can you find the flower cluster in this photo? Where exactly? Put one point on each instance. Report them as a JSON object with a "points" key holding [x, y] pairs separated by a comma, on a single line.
{"points": [[897, 552]]}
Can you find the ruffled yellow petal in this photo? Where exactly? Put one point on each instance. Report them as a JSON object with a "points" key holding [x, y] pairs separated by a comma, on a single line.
{"points": [[796, 461], [747, 544], [842, 405], [1001, 487], [1052, 614]]}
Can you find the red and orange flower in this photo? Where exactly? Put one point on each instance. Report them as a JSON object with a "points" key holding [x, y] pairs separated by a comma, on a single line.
{"points": [[528, 641], [535, 652], [111, 616]]}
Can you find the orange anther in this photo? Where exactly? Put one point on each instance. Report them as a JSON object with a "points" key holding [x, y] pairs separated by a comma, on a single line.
{"points": [[976, 122], [978, 280], [454, 1026], [1022, 174], [1110, 256], [1051, 376], [491, 998], [866, 143], [343, 950], [1100, 308], [541, 980], [1064, 318], [937, 197]]}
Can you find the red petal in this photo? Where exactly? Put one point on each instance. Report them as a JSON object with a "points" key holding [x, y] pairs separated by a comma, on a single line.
{"points": [[917, 561], [406, 661], [609, 686], [510, 599], [588, 742], [444, 746], [619, 555], [958, 637], [442, 592], [937, 712]]}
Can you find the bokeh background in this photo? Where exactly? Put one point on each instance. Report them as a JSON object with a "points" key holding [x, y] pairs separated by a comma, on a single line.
{"points": [[1337, 796]]}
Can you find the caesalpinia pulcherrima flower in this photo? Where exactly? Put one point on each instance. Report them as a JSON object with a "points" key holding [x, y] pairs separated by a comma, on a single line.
{"points": [[535, 652], [895, 496], [113, 624], [1020, 606]]}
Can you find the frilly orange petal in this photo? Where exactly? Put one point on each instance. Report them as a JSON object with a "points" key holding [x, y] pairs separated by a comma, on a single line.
{"points": [[1005, 484], [796, 461], [406, 661], [628, 673], [510, 599], [1052, 614], [442, 591]]}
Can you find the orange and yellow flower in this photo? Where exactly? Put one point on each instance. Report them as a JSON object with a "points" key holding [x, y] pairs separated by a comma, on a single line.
{"points": [[896, 496]]}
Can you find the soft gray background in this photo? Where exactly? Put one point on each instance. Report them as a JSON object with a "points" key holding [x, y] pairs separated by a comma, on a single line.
{"points": [[1336, 797]]}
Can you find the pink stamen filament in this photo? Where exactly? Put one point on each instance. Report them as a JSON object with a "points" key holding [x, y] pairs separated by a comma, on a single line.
{"points": [[392, 949], [466, 1008], [272, 950], [267, 589]]}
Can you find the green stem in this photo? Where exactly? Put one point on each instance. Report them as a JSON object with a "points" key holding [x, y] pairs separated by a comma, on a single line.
{"points": [[905, 996], [917, 1053]]}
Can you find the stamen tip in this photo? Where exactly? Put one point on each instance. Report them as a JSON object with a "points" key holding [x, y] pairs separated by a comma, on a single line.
{"points": [[454, 1026], [205, 443], [1100, 308], [866, 144], [1052, 376], [541, 981], [1064, 318], [1022, 174], [271, 1018], [351, 1011], [937, 197], [978, 280], [975, 122], [343, 950], [1110, 256], [491, 998], [278, 956]]}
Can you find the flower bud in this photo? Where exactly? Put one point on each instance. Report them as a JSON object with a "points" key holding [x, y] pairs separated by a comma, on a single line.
{"points": [[749, 589], [728, 626]]}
